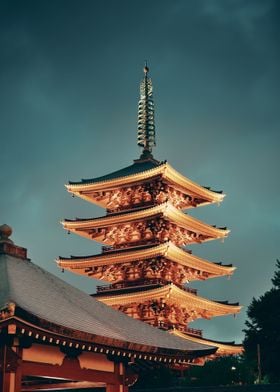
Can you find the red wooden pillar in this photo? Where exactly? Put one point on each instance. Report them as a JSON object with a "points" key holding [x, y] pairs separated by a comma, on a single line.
{"points": [[10, 369], [119, 386], [116, 388]]}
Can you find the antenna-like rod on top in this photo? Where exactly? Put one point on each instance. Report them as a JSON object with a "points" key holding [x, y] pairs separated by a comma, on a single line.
{"points": [[146, 120]]}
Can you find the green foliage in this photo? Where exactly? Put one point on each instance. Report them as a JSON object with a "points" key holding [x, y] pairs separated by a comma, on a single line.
{"points": [[262, 328], [276, 278], [221, 371], [156, 378]]}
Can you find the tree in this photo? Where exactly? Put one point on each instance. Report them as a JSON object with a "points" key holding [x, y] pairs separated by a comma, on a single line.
{"points": [[263, 329], [156, 378], [230, 370]]}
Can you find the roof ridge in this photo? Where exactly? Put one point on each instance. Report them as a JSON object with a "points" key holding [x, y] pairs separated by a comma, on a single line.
{"points": [[103, 179]]}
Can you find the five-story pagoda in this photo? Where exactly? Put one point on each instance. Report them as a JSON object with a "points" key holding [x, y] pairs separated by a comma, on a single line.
{"points": [[145, 234]]}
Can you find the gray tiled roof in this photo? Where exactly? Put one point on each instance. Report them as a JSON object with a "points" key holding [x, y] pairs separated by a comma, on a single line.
{"points": [[136, 167], [50, 298]]}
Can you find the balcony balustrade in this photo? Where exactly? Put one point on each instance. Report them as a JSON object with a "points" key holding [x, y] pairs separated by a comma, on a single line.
{"points": [[139, 283], [184, 329]]}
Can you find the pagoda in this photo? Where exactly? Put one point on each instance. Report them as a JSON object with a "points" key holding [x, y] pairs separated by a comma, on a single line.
{"points": [[145, 234]]}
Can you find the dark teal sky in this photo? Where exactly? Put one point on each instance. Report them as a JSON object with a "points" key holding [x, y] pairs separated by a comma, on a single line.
{"points": [[69, 77]]}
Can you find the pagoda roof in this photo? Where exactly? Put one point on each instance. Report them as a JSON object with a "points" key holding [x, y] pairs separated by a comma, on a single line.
{"points": [[139, 166], [224, 348], [31, 294], [173, 294], [167, 249], [167, 210], [144, 170]]}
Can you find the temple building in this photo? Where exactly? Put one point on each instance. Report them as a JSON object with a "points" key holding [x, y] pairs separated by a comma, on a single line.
{"points": [[56, 337], [145, 234]]}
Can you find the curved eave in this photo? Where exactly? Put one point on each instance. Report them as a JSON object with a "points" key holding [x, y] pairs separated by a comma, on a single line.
{"points": [[168, 250], [223, 348], [188, 222], [165, 170], [173, 294], [108, 184], [47, 332], [175, 177], [83, 226]]}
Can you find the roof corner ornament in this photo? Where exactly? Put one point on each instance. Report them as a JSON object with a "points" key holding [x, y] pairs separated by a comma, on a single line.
{"points": [[146, 122], [5, 233], [7, 246]]}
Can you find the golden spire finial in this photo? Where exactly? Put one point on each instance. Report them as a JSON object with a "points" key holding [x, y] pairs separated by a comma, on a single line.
{"points": [[146, 68]]}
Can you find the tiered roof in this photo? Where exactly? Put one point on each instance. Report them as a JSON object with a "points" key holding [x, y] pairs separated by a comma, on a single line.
{"points": [[203, 232], [223, 348], [139, 172], [172, 294], [201, 269]]}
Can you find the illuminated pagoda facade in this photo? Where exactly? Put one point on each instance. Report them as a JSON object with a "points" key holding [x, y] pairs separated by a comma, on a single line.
{"points": [[145, 234]]}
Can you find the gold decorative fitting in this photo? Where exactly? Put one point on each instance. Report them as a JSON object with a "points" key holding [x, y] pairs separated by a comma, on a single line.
{"points": [[8, 311], [5, 233], [12, 328]]}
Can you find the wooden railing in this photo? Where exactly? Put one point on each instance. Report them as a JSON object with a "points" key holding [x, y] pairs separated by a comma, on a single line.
{"points": [[190, 331], [193, 331], [130, 246], [127, 284], [139, 283]]}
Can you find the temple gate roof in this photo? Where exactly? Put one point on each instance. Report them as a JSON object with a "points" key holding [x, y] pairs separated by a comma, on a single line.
{"points": [[27, 291]]}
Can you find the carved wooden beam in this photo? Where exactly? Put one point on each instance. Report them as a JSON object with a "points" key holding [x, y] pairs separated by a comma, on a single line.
{"points": [[69, 370]]}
